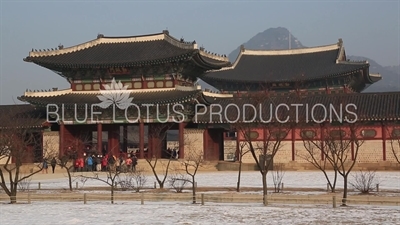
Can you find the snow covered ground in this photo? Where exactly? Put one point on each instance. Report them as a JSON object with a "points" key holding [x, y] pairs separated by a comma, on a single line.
{"points": [[131, 212], [184, 213], [291, 179]]}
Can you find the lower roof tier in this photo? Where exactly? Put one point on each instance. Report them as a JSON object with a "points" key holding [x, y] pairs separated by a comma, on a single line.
{"points": [[295, 108], [220, 108], [69, 98]]}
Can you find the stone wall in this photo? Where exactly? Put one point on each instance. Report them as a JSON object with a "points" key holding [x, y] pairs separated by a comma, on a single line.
{"points": [[390, 147], [193, 142], [51, 144], [370, 156]]}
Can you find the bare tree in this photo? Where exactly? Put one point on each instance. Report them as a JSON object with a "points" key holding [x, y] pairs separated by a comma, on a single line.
{"points": [[20, 132], [112, 175], [394, 137], [264, 147], [342, 145], [314, 146], [277, 177], [192, 162], [264, 150], [178, 181], [75, 144], [364, 181], [111, 179], [241, 152], [159, 132]]}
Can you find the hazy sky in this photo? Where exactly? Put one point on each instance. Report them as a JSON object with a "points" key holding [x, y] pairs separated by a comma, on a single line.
{"points": [[368, 28]]}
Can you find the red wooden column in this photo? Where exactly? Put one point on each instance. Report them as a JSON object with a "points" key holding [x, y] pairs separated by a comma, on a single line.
{"points": [[205, 143], [113, 140], [62, 137], [125, 138], [141, 140], [181, 141], [383, 142], [99, 138]]}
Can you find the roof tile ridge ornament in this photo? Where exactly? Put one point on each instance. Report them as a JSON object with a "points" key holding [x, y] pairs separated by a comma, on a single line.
{"points": [[361, 62], [97, 92], [178, 43], [341, 51], [211, 55], [47, 93], [101, 39], [263, 52]]}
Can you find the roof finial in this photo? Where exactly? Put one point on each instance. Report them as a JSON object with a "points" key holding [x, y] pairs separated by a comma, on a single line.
{"points": [[100, 36], [60, 46], [242, 48], [340, 41], [166, 31]]}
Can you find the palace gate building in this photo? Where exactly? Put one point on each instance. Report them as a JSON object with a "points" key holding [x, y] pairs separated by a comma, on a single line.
{"points": [[153, 73]]}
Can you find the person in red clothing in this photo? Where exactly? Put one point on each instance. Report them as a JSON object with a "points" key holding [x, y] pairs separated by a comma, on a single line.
{"points": [[76, 165], [104, 163], [128, 163], [81, 164]]}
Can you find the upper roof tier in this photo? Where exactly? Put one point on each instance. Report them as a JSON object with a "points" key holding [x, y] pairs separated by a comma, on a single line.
{"points": [[287, 65], [133, 51]]}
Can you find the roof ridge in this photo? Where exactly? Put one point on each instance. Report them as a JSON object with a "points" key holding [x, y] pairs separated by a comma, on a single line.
{"points": [[306, 50], [353, 62], [70, 91], [262, 52], [101, 39]]}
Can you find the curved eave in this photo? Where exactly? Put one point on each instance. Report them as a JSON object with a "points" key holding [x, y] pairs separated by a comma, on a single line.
{"points": [[373, 78], [208, 78], [59, 67], [209, 63], [44, 101]]}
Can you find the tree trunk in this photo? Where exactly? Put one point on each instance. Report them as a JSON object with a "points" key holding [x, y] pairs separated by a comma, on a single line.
{"points": [[112, 193], [193, 190], [13, 193], [161, 184], [344, 199], [69, 179], [333, 188], [264, 182], [239, 174]]}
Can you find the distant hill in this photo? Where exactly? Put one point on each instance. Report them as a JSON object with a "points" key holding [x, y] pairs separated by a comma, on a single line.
{"points": [[394, 69], [270, 39]]}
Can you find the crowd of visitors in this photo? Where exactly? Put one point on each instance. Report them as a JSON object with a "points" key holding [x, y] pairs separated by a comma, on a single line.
{"points": [[108, 162], [89, 163]]}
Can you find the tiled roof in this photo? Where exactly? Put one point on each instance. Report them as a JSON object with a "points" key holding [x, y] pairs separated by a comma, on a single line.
{"points": [[105, 52], [367, 107], [23, 115], [70, 98], [286, 65]]}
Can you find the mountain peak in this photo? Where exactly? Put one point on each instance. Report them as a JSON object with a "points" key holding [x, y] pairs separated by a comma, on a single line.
{"points": [[270, 39]]}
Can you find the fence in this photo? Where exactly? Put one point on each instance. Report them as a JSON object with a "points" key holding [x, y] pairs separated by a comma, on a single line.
{"points": [[202, 198]]}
